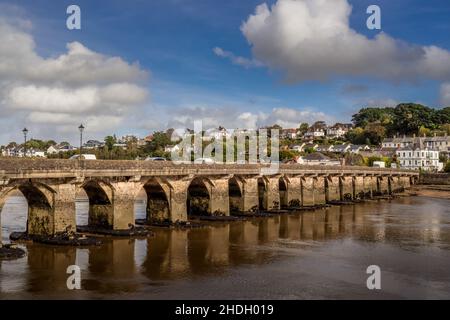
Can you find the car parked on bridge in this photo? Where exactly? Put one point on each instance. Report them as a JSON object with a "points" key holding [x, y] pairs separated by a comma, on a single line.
{"points": [[204, 161], [155, 159], [84, 157]]}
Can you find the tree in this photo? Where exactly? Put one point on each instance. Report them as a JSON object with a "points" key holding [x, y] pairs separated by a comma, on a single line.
{"points": [[159, 142], [409, 117], [303, 128], [109, 142], [447, 167], [446, 128], [356, 136], [374, 133], [369, 115], [424, 131], [442, 116]]}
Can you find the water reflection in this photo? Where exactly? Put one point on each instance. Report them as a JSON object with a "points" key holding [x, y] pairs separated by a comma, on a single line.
{"points": [[123, 266]]}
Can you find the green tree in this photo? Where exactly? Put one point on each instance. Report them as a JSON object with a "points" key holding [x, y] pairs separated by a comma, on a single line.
{"points": [[447, 167], [409, 117], [374, 133], [368, 115], [109, 142], [303, 128], [159, 141]]}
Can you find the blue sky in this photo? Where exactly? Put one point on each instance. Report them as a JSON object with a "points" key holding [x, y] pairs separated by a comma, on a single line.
{"points": [[173, 41]]}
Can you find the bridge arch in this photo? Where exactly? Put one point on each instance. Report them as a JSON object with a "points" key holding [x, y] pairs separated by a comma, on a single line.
{"points": [[39, 198], [235, 195], [283, 185], [157, 208], [198, 200], [100, 195], [262, 193]]}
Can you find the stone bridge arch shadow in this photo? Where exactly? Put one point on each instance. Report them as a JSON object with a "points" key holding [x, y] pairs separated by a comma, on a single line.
{"points": [[157, 209], [198, 200], [100, 195], [262, 194], [39, 199], [283, 189], [235, 195]]}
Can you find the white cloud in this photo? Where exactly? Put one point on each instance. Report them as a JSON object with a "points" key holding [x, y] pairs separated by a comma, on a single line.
{"points": [[241, 61], [445, 94], [53, 95], [312, 40]]}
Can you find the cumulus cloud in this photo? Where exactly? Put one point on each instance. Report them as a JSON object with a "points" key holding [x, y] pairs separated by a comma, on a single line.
{"points": [[312, 40], [445, 94], [79, 85], [241, 61]]}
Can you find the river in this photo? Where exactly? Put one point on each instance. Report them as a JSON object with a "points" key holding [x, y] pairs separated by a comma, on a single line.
{"points": [[319, 254]]}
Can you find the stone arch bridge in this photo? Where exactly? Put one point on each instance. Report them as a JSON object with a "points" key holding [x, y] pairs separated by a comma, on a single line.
{"points": [[176, 191]]}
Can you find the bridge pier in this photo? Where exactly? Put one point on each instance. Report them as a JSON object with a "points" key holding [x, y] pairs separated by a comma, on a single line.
{"points": [[122, 208], [313, 190], [360, 187], [405, 182], [220, 202], [294, 191], [332, 188], [346, 187], [64, 208], [273, 192], [178, 199], [384, 185], [250, 194], [370, 185], [308, 188], [396, 186]]}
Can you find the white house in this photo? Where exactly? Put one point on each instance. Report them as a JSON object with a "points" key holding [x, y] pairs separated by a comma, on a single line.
{"points": [[315, 132], [415, 158], [289, 134], [342, 148], [337, 131], [325, 148]]}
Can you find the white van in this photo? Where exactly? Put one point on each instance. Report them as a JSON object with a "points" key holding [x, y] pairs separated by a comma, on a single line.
{"points": [[379, 164], [84, 157], [204, 161]]}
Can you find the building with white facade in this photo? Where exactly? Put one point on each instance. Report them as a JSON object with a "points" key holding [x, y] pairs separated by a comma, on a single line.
{"points": [[419, 158], [338, 130], [440, 143]]}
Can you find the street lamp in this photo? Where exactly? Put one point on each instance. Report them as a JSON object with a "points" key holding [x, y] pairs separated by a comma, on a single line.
{"points": [[25, 131], [81, 128]]}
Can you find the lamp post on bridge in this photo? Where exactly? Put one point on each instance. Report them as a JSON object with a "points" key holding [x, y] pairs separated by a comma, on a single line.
{"points": [[25, 132], [81, 128]]}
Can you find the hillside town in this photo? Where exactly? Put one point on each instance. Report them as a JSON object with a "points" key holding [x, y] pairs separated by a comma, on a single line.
{"points": [[308, 144]]}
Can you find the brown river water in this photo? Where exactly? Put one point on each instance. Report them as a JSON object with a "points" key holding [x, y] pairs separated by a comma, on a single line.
{"points": [[319, 254]]}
